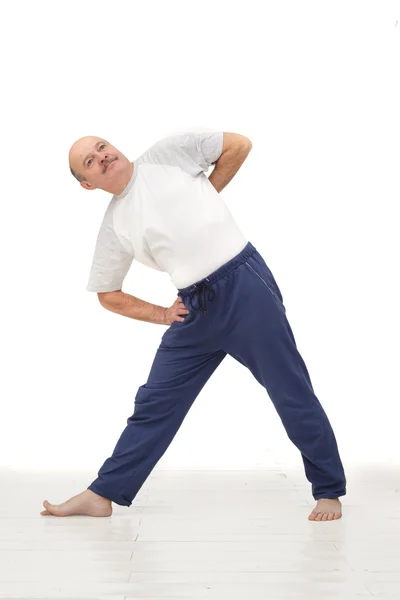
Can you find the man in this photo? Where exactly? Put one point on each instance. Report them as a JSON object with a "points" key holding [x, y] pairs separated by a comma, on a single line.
{"points": [[168, 214]]}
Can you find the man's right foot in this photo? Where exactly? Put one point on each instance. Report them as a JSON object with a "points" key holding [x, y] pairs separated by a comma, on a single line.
{"points": [[87, 503]]}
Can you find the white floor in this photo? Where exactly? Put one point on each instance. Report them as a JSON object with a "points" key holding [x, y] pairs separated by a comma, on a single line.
{"points": [[203, 534]]}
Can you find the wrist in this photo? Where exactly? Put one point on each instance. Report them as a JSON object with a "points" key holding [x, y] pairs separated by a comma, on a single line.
{"points": [[161, 315]]}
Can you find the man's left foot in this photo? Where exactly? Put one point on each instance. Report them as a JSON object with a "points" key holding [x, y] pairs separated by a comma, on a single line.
{"points": [[327, 509]]}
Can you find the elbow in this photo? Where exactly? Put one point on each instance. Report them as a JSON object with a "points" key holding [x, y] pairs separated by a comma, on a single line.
{"points": [[107, 298]]}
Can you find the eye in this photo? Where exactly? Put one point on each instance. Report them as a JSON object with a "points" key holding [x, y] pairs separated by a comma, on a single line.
{"points": [[102, 146]]}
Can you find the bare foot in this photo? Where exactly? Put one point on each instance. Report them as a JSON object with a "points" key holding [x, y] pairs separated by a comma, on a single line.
{"points": [[327, 509], [87, 503]]}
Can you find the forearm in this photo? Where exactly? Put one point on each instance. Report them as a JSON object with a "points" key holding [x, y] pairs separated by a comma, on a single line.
{"points": [[135, 308], [228, 164]]}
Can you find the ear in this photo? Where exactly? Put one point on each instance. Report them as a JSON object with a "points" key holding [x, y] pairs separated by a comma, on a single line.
{"points": [[87, 185]]}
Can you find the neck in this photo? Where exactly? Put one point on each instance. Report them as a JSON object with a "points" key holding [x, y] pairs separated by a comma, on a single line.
{"points": [[120, 186]]}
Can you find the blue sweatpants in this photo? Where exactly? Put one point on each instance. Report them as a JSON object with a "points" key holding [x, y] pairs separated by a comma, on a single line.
{"points": [[237, 310]]}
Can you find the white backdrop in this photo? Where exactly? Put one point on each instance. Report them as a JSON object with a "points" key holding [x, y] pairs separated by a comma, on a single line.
{"points": [[315, 86]]}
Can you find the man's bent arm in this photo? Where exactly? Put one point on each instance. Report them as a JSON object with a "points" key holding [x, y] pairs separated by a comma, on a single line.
{"points": [[229, 163], [135, 308]]}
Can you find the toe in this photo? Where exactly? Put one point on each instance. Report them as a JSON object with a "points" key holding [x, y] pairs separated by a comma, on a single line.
{"points": [[52, 509], [324, 516]]}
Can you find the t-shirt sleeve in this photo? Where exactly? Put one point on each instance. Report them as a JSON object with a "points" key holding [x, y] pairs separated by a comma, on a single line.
{"points": [[198, 150], [111, 262]]}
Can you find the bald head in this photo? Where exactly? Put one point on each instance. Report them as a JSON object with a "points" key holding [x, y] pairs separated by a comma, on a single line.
{"points": [[98, 164]]}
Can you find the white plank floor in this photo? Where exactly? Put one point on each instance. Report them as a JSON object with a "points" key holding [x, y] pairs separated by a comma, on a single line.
{"points": [[205, 535]]}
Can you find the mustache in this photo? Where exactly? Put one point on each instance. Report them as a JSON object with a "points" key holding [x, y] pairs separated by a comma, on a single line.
{"points": [[108, 162]]}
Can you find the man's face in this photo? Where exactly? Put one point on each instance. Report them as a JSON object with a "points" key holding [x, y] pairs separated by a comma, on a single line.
{"points": [[98, 162]]}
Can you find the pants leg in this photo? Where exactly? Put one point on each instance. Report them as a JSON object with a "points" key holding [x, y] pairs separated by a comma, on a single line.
{"points": [[263, 341], [181, 367], [246, 318]]}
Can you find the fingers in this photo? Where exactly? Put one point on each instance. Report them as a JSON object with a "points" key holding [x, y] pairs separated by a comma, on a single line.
{"points": [[181, 309], [181, 306]]}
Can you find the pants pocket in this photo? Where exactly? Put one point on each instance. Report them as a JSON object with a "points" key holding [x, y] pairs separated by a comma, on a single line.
{"points": [[259, 268]]}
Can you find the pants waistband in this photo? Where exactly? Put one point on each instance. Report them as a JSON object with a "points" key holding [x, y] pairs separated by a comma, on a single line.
{"points": [[207, 282]]}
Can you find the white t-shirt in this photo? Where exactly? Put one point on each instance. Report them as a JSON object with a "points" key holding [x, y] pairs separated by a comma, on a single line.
{"points": [[169, 217]]}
